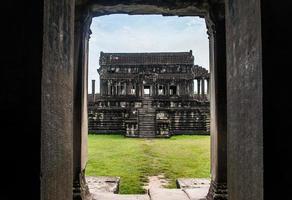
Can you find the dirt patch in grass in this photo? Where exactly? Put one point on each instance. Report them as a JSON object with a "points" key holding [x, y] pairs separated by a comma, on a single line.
{"points": [[156, 182]]}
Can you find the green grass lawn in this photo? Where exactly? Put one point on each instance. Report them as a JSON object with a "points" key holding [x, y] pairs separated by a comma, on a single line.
{"points": [[134, 159]]}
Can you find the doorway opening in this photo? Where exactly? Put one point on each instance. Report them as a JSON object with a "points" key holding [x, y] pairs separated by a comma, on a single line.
{"points": [[124, 72], [146, 90]]}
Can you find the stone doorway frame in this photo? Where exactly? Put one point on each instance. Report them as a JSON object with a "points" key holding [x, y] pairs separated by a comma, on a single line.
{"points": [[215, 20], [64, 91]]}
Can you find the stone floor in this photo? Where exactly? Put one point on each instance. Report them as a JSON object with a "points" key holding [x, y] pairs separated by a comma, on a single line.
{"points": [[104, 188], [103, 184]]}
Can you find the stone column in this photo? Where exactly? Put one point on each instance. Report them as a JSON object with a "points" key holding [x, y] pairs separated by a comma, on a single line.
{"points": [[218, 103], [93, 90], [192, 87], [108, 88], [45, 80], [125, 88], [208, 89], [203, 87], [129, 87], [116, 88], [80, 121], [198, 87], [208, 85], [101, 87], [137, 89]]}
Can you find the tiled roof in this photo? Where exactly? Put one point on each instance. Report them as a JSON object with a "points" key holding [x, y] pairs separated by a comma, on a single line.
{"points": [[146, 58]]}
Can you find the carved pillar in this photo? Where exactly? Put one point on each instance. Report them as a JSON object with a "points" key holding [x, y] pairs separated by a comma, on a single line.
{"points": [[198, 86], [116, 88], [126, 87], [203, 87], [101, 87], [93, 90], [80, 121], [108, 88], [218, 104], [192, 88], [137, 88], [129, 87], [208, 85]]}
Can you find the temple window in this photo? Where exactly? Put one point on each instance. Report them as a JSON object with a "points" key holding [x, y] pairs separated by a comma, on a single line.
{"points": [[183, 69], [146, 90], [133, 90], [172, 90], [161, 90], [123, 104], [123, 91]]}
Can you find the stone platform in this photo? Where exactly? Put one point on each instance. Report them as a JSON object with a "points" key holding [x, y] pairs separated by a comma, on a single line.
{"points": [[189, 183], [105, 188], [103, 184]]}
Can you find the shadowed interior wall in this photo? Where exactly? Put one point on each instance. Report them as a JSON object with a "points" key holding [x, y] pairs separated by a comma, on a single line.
{"points": [[20, 97], [276, 35], [244, 100]]}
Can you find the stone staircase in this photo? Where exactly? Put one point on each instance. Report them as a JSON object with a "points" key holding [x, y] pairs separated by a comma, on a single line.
{"points": [[146, 116]]}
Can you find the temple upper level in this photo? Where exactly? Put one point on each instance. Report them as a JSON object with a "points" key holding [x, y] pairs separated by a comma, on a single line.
{"points": [[136, 59], [150, 74]]}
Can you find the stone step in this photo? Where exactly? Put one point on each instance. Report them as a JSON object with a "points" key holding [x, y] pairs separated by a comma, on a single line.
{"points": [[147, 110], [197, 193], [167, 194], [150, 132], [109, 196]]}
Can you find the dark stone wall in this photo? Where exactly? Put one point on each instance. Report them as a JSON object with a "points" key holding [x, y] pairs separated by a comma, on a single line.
{"points": [[244, 100], [20, 97], [36, 99], [276, 35]]}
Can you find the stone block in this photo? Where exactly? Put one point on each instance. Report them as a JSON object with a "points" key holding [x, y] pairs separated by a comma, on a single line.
{"points": [[197, 193], [167, 194], [109, 196], [188, 183], [103, 184]]}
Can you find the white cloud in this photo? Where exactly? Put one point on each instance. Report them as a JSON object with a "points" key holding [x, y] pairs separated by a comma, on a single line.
{"points": [[163, 34]]}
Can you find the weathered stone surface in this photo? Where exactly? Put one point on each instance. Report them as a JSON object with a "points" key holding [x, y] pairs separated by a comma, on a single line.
{"points": [[57, 100], [244, 100], [167, 194], [108, 196], [103, 184], [250, 22], [188, 183], [197, 193], [140, 97]]}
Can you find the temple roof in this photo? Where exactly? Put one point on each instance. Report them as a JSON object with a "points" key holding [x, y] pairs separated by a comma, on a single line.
{"points": [[156, 58]]}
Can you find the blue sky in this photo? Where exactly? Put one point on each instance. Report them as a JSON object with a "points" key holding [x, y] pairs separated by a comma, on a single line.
{"points": [[146, 33]]}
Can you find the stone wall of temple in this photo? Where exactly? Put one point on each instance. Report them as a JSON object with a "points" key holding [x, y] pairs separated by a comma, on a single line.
{"points": [[150, 95]]}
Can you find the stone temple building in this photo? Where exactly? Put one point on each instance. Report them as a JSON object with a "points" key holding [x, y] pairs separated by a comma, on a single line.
{"points": [[150, 95]]}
